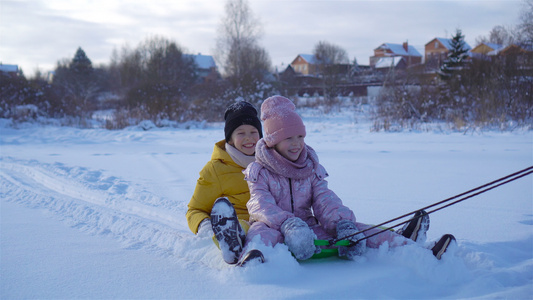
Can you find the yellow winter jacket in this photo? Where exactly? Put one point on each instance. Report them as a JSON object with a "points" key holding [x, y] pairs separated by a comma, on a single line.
{"points": [[220, 177]]}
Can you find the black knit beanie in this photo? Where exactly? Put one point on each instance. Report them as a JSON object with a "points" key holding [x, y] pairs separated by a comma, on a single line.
{"points": [[241, 113]]}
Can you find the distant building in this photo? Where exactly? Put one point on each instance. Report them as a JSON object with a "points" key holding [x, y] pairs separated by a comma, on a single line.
{"points": [[50, 76], [521, 54], [10, 70], [305, 64], [436, 52], [485, 49], [513, 54], [394, 62], [206, 68], [409, 54], [513, 49]]}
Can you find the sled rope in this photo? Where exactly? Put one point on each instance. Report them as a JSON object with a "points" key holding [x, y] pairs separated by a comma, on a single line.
{"points": [[467, 195]]}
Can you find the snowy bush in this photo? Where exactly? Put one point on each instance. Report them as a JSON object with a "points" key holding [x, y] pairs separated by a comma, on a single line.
{"points": [[493, 94]]}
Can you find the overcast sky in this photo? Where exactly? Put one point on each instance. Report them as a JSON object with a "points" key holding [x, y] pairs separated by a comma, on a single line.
{"points": [[38, 33]]}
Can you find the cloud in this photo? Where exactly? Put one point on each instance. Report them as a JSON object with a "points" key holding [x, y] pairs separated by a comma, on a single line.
{"points": [[361, 26], [39, 33], [40, 37]]}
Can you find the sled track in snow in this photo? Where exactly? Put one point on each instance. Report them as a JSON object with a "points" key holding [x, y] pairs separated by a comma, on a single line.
{"points": [[99, 204]]}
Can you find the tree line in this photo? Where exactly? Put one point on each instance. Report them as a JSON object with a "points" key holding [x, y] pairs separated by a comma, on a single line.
{"points": [[157, 81]]}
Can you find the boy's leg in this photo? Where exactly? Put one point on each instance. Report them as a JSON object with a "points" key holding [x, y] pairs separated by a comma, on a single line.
{"points": [[244, 225], [228, 231]]}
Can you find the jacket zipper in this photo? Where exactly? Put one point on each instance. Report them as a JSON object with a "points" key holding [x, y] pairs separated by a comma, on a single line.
{"points": [[292, 199]]}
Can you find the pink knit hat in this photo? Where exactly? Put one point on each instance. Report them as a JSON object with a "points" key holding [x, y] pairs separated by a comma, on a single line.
{"points": [[280, 120]]}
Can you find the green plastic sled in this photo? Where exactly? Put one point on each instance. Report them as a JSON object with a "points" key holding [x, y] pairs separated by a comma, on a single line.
{"points": [[333, 250]]}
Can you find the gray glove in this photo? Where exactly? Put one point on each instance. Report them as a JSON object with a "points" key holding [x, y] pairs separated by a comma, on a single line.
{"points": [[346, 228], [299, 238]]}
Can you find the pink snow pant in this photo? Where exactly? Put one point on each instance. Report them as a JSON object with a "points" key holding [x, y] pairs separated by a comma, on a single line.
{"points": [[271, 237]]}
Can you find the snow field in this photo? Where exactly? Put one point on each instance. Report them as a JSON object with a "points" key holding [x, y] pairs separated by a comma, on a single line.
{"points": [[101, 214]]}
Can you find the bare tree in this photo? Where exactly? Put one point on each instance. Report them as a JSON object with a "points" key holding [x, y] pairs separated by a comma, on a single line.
{"points": [[525, 28], [164, 60], [330, 54], [155, 79], [522, 33], [245, 63], [500, 35], [333, 65]]}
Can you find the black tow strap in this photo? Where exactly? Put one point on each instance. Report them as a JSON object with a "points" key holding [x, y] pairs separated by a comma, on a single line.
{"points": [[466, 195]]}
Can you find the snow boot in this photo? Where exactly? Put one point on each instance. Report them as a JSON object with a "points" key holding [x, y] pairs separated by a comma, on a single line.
{"points": [[416, 228], [228, 231], [252, 255], [441, 246]]}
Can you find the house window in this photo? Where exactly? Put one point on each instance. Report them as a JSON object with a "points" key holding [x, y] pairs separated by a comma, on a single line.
{"points": [[436, 45]]}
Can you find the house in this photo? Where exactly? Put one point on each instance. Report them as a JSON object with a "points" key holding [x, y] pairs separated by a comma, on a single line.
{"points": [[409, 54], [394, 62], [485, 49], [206, 68], [305, 64], [436, 51], [287, 73], [522, 55], [513, 50], [49, 77], [10, 70]]}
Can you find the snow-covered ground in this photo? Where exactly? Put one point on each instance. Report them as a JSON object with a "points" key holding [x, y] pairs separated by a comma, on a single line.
{"points": [[101, 214]]}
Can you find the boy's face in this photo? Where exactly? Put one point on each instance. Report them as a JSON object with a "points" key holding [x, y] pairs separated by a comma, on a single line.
{"points": [[291, 147], [244, 139]]}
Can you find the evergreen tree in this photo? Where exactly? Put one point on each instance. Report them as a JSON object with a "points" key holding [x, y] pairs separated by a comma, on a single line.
{"points": [[76, 85], [456, 57], [81, 64]]}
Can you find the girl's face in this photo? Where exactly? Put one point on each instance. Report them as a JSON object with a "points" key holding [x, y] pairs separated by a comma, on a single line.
{"points": [[244, 139], [291, 147]]}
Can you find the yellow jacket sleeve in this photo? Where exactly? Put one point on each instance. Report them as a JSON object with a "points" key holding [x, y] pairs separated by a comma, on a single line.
{"points": [[207, 190]]}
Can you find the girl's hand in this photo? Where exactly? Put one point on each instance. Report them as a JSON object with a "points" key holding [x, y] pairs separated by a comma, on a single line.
{"points": [[346, 230], [299, 238]]}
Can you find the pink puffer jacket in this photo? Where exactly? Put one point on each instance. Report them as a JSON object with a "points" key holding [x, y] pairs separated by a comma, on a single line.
{"points": [[303, 192], [275, 198]]}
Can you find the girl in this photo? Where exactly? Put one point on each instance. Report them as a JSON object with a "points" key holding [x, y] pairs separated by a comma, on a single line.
{"points": [[218, 204], [290, 201]]}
